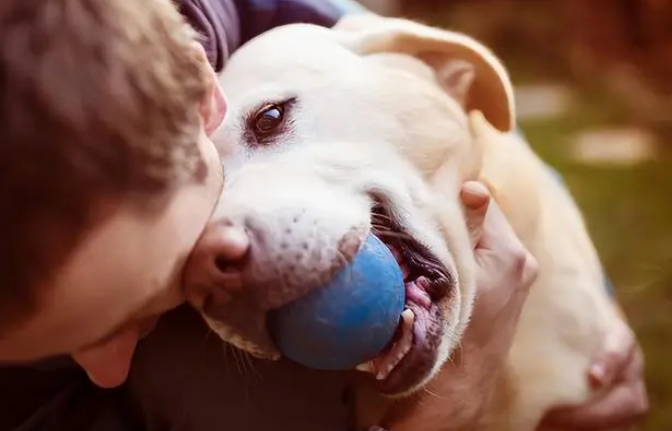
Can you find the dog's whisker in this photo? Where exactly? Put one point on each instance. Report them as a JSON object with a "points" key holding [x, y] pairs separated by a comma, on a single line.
{"points": [[207, 336], [247, 363], [251, 367], [433, 394], [226, 355], [233, 352], [240, 361], [230, 355]]}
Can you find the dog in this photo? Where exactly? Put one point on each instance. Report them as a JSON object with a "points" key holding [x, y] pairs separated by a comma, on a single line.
{"points": [[373, 126]]}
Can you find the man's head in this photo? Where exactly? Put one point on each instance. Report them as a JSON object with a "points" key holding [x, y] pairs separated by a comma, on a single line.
{"points": [[107, 176]]}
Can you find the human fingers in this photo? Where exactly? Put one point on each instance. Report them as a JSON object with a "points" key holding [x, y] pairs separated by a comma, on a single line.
{"points": [[614, 356], [497, 233], [490, 230], [621, 407], [476, 199], [501, 256]]}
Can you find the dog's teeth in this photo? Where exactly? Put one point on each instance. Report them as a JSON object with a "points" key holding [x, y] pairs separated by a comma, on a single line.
{"points": [[367, 367], [399, 349], [384, 373]]}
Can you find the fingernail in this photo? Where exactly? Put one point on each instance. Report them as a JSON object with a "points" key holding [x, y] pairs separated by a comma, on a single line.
{"points": [[474, 194], [598, 375]]}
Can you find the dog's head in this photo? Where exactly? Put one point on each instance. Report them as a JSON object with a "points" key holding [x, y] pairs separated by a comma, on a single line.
{"points": [[332, 134]]}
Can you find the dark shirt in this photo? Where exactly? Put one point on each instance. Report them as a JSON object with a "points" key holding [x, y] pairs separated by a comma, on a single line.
{"points": [[56, 395], [182, 378], [227, 24], [185, 379]]}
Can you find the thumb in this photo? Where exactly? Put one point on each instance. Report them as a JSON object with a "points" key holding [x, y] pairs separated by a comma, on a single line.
{"points": [[108, 364], [618, 347], [476, 200]]}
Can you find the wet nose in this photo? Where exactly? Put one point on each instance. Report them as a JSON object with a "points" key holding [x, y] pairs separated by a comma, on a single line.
{"points": [[213, 273]]}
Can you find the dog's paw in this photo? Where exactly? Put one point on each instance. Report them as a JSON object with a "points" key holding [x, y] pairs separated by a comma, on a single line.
{"points": [[377, 428]]}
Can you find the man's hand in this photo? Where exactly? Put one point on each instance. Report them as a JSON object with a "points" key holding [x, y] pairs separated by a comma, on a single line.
{"points": [[617, 369], [455, 399]]}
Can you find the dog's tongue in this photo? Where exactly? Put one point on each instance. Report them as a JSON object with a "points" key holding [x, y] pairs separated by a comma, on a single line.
{"points": [[416, 292]]}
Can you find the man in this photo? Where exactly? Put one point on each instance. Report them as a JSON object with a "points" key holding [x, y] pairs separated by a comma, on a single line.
{"points": [[107, 178]]}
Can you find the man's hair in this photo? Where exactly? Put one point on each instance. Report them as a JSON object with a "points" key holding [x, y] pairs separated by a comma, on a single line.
{"points": [[99, 103]]}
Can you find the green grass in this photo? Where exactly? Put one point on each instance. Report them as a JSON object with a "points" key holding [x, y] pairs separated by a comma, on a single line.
{"points": [[629, 214]]}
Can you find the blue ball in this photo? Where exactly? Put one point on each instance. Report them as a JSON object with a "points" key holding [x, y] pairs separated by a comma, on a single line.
{"points": [[348, 321]]}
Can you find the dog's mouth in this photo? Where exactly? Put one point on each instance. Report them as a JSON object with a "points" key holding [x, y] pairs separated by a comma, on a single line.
{"points": [[413, 353]]}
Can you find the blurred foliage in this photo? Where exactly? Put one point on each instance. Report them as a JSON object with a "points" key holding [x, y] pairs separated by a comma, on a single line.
{"points": [[628, 209], [621, 46]]}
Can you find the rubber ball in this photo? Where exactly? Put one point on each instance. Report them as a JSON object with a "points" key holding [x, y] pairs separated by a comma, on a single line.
{"points": [[348, 321]]}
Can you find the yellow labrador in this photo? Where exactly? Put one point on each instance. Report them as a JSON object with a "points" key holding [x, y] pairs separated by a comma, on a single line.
{"points": [[373, 126]]}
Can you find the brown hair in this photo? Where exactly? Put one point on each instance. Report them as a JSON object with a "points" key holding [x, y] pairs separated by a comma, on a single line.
{"points": [[99, 103]]}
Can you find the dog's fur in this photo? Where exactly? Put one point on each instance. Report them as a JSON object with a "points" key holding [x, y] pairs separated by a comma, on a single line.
{"points": [[380, 109]]}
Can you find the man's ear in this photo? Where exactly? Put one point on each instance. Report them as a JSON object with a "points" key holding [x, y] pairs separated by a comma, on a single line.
{"points": [[213, 108], [464, 67]]}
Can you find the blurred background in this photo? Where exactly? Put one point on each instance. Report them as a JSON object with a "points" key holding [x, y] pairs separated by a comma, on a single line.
{"points": [[594, 90]]}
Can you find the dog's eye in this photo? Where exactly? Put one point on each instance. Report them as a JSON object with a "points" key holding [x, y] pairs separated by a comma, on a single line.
{"points": [[270, 123], [268, 119]]}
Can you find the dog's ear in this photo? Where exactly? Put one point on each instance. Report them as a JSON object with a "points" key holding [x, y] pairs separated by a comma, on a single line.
{"points": [[465, 68]]}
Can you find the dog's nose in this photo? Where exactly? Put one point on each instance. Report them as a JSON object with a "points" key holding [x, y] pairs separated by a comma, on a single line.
{"points": [[213, 273]]}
